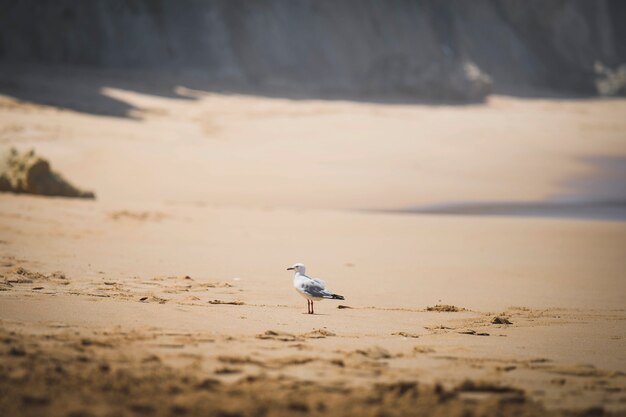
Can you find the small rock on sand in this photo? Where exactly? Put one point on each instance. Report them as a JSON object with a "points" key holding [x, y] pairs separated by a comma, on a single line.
{"points": [[501, 320]]}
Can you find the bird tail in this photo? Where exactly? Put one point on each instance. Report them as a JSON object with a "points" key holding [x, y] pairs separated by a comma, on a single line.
{"points": [[337, 297]]}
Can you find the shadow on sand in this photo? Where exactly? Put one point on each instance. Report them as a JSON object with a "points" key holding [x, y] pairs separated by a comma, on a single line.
{"points": [[83, 89], [601, 195]]}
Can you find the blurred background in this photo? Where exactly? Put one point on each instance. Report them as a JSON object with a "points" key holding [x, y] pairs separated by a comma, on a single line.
{"points": [[446, 51], [189, 72]]}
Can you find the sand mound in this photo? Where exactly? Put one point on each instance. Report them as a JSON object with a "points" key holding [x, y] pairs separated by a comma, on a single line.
{"points": [[30, 174]]}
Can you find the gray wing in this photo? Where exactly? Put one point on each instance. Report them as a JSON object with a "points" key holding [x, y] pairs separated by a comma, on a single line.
{"points": [[320, 281], [314, 289]]}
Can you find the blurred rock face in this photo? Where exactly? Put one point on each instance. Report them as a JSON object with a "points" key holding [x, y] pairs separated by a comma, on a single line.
{"points": [[29, 174], [430, 49]]}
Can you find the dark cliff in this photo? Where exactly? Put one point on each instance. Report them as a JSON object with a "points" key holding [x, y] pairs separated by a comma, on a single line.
{"points": [[451, 50]]}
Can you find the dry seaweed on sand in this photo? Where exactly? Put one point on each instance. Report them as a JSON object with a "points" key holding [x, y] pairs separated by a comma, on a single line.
{"points": [[405, 334], [445, 308], [234, 303], [474, 333], [27, 173], [22, 275]]}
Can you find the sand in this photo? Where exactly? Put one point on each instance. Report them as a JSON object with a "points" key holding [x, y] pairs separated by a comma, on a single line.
{"points": [[168, 294]]}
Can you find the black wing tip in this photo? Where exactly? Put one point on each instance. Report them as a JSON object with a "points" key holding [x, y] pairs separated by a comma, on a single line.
{"points": [[338, 297]]}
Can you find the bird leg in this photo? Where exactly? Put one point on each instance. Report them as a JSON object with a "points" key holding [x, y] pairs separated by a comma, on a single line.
{"points": [[308, 306], [312, 312]]}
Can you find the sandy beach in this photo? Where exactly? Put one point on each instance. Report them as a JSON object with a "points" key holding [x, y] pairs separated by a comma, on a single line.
{"points": [[168, 294]]}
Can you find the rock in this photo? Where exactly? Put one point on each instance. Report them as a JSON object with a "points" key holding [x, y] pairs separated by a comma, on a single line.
{"points": [[423, 49], [611, 82], [500, 320], [28, 173], [437, 80]]}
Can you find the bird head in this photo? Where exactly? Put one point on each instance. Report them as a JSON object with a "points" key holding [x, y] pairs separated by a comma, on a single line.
{"points": [[300, 268]]}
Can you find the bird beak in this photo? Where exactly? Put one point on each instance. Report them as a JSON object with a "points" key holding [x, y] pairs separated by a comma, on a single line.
{"points": [[290, 268]]}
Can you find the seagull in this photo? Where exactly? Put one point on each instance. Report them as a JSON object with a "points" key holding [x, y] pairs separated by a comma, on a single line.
{"points": [[310, 288]]}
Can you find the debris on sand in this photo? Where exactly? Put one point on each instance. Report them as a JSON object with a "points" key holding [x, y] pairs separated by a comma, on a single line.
{"points": [[28, 173], [423, 349], [225, 370], [482, 386], [22, 275], [399, 389], [276, 335], [318, 334], [341, 306], [152, 298], [137, 215], [500, 320], [239, 360], [234, 303], [375, 352], [444, 307], [439, 327], [405, 334], [208, 384], [474, 333]]}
